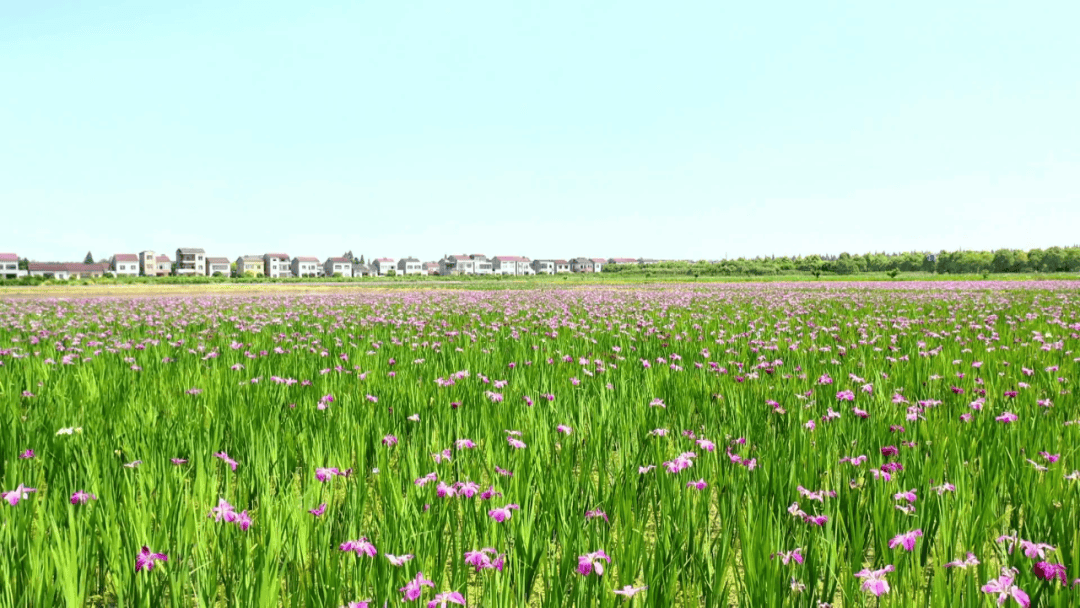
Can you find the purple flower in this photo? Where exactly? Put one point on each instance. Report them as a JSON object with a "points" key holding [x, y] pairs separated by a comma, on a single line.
{"points": [[20, 493], [319, 510], [787, 556], [963, 564], [322, 474], [699, 484], [399, 560], [361, 547], [592, 562], [178, 461], [874, 580], [1003, 586], [442, 598], [596, 513], [565, 430], [389, 440], [414, 588], [464, 444], [28, 454], [845, 396], [1048, 572], [1006, 418], [516, 443], [229, 461], [81, 497], [628, 591], [481, 559], [907, 540], [145, 559], [502, 514]]}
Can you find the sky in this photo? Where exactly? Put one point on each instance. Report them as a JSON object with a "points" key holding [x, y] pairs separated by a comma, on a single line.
{"points": [[698, 130]]}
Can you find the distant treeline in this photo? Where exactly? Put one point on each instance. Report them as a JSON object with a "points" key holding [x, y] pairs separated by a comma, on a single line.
{"points": [[1053, 259]]}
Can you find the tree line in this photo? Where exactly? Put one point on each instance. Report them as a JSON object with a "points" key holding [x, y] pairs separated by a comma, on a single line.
{"points": [[1053, 259]]}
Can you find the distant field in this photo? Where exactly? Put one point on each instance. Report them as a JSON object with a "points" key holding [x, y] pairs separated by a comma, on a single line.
{"points": [[175, 286]]}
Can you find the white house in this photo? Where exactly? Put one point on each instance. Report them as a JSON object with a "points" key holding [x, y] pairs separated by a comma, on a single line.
{"points": [[148, 264], [410, 266], [303, 266], [339, 266], [276, 265], [543, 266], [431, 268], [218, 265], [164, 265], [49, 271], [582, 265], [622, 261], [67, 270], [9, 266], [249, 264], [481, 264], [382, 265], [124, 265], [511, 264], [456, 264], [361, 270], [191, 261]]}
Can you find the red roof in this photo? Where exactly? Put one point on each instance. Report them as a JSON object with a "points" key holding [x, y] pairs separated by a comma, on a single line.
{"points": [[217, 261], [338, 260], [511, 258], [624, 260], [125, 257], [385, 260], [563, 262], [8, 257], [278, 255], [162, 258], [68, 266], [301, 258], [598, 260]]}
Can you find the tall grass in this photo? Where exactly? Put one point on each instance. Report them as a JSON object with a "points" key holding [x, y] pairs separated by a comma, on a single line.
{"points": [[155, 379]]}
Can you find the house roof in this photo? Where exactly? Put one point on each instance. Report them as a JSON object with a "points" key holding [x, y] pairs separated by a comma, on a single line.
{"points": [[278, 255], [162, 258], [598, 260], [125, 257], [361, 267], [67, 266], [190, 250], [458, 258], [217, 260], [8, 257], [623, 260], [385, 260], [302, 258], [431, 264], [254, 259], [510, 258], [338, 260], [581, 260], [408, 260]]}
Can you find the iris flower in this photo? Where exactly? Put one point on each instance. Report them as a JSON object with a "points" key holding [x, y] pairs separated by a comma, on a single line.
{"points": [[145, 559], [629, 591], [963, 564], [874, 580], [442, 598], [361, 547], [907, 540], [592, 562], [502, 514], [1004, 588], [81, 497], [20, 493], [399, 560], [414, 588], [229, 461]]}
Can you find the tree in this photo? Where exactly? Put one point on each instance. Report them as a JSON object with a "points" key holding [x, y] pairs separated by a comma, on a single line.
{"points": [[89, 258], [24, 264], [362, 258]]}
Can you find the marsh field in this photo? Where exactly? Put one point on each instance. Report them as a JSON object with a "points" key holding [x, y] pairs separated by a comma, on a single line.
{"points": [[743, 444]]}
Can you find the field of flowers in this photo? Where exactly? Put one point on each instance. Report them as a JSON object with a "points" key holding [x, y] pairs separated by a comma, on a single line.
{"points": [[752, 445]]}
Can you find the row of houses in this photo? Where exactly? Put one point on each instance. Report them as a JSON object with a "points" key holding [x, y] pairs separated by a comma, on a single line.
{"points": [[193, 261]]}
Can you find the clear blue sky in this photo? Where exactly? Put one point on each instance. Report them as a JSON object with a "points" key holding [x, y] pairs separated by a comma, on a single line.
{"points": [[546, 129]]}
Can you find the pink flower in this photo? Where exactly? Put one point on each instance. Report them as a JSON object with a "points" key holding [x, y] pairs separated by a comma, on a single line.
{"points": [[485, 559], [592, 562], [1007, 418], [442, 598], [909, 496], [229, 461], [501, 514], [20, 493], [907, 539], [399, 560], [1048, 572], [963, 564], [145, 559], [414, 588], [845, 396], [322, 474], [178, 461], [596, 513], [319, 510], [464, 444], [874, 580], [1003, 586], [80, 497], [28, 454], [361, 547], [389, 440], [516, 443], [788, 556], [628, 591], [699, 484], [565, 430]]}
